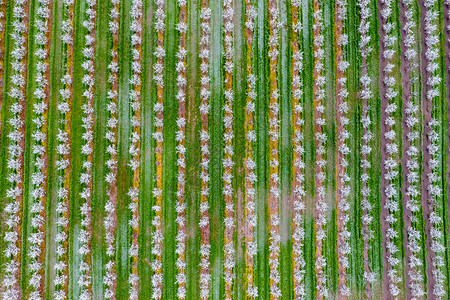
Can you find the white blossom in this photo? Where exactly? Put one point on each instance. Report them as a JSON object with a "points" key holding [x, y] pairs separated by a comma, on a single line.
{"points": [[432, 140], [85, 179]]}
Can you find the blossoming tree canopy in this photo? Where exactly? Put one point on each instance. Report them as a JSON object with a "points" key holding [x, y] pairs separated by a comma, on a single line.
{"points": [[232, 149]]}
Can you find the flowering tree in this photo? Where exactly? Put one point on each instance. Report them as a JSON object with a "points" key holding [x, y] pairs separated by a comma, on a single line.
{"points": [[63, 163], [2, 50], [228, 163], [412, 189], [298, 220], [320, 138], [87, 149], [343, 189], [432, 191], [158, 108], [181, 149], [38, 187], [390, 151], [135, 142], [154, 149], [274, 179], [15, 162], [366, 94], [110, 221], [205, 93], [250, 165]]}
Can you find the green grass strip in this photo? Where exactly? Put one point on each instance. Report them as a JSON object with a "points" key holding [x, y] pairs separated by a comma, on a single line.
{"points": [[216, 134], [103, 45], [146, 186], [56, 68], [123, 236], [193, 125], [29, 168], [285, 147], [261, 150], [170, 156]]}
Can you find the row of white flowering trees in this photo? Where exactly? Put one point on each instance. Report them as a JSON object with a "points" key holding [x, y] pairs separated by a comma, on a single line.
{"points": [[224, 149], [391, 148], [433, 202], [413, 231], [12, 235]]}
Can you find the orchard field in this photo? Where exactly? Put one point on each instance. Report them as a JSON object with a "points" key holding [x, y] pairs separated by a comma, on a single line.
{"points": [[224, 149]]}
